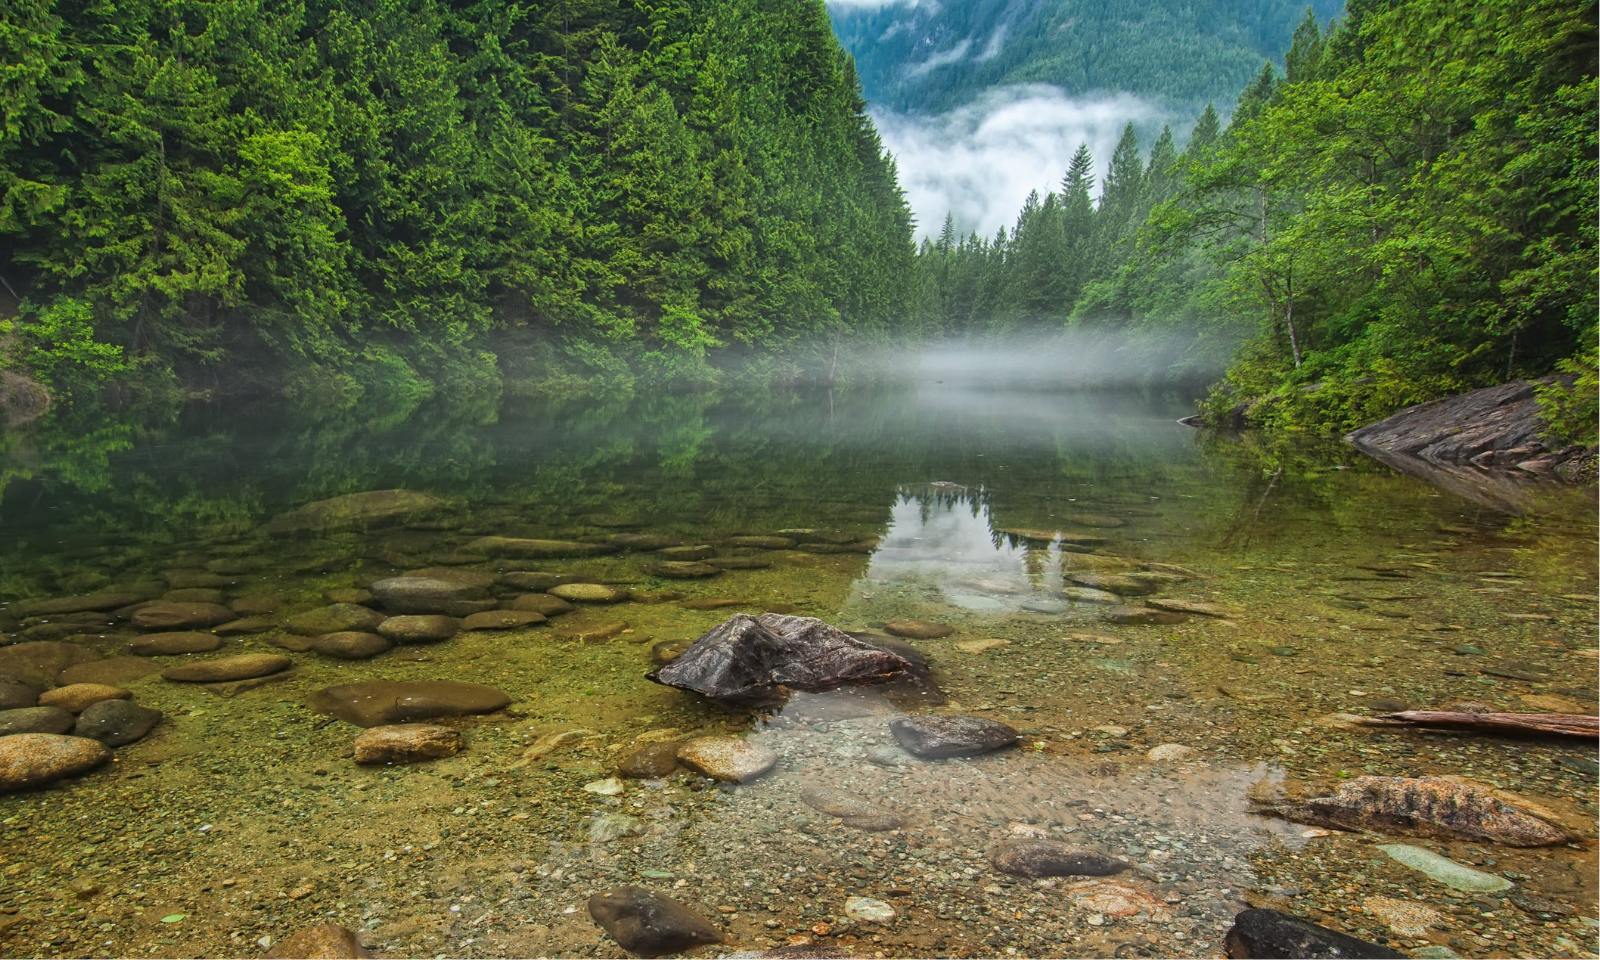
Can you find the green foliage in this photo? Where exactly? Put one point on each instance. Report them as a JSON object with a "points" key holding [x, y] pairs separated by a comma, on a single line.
{"points": [[316, 193], [1570, 404]]}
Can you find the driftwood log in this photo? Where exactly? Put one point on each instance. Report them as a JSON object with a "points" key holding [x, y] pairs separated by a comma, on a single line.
{"points": [[1547, 724]]}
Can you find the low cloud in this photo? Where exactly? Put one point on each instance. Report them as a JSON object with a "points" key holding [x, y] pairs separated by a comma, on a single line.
{"points": [[943, 58], [979, 162], [854, 5]]}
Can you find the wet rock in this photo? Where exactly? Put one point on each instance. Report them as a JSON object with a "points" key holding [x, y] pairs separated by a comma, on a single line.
{"points": [[534, 548], [544, 604], [323, 941], [1444, 870], [37, 662], [739, 563], [419, 628], [256, 604], [14, 694], [162, 615], [1124, 585], [983, 645], [1196, 607], [868, 910], [116, 723], [406, 743], [293, 642], [1170, 753], [334, 618], [1268, 933], [503, 620], [1087, 595], [350, 645], [642, 541], [589, 592], [35, 759], [174, 643], [1114, 898], [667, 651], [683, 570], [761, 542], [755, 658], [650, 761], [614, 826], [245, 626], [35, 720], [245, 666], [537, 580], [349, 595], [714, 603], [1142, 616], [918, 629], [1430, 806], [852, 810], [99, 602], [369, 508], [378, 702], [592, 632], [729, 759], [693, 552], [193, 595], [1403, 917], [186, 579], [115, 671], [425, 594], [649, 924], [934, 737], [77, 697], [1051, 858]]}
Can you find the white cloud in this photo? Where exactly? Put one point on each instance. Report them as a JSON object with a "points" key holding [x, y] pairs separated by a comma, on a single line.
{"points": [[853, 5], [979, 161], [943, 58], [996, 42]]}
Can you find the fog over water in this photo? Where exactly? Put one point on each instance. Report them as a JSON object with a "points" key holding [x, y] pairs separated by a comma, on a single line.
{"points": [[1077, 359], [979, 162]]}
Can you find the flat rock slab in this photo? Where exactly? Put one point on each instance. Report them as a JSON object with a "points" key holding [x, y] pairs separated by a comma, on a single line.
{"points": [[729, 759], [650, 761], [534, 579], [406, 743], [546, 604], [76, 697], [14, 694], [164, 615], [39, 662], [35, 759], [762, 542], [245, 666], [589, 592], [115, 671], [369, 508], [749, 658], [334, 618], [1196, 607], [649, 924], [35, 720], [919, 629], [854, 811], [503, 620], [934, 737], [1431, 806], [1052, 858], [419, 628], [55, 606], [1080, 594], [174, 643], [350, 645], [410, 594], [116, 723], [1269, 933], [527, 548], [1142, 616], [378, 702], [683, 570]]}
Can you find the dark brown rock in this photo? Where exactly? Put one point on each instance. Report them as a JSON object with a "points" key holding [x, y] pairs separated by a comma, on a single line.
{"points": [[162, 615], [38, 662], [350, 645], [1270, 934], [174, 643], [503, 620], [406, 743], [934, 737], [334, 618], [1431, 806], [651, 761], [323, 941], [1051, 858], [753, 658], [35, 720], [14, 694], [245, 666], [419, 628], [379, 702], [116, 723], [116, 671], [648, 924]]}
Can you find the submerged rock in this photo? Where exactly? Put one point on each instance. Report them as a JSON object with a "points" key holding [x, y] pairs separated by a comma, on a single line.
{"points": [[649, 924], [245, 666], [534, 548], [76, 697], [753, 658], [852, 810], [761, 542], [1268, 933], [589, 592], [419, 628], [1086, 595], [650, 761], [868, 910], [535, 579], [730, 759], [36, 759], [1051, 858], [350, 645], [334, 618], [934, 737], [14, 694], [174, 643], [544, 604], [379, 702], [406, 743], [1118, 583], [1140, 616], [683, 570], [919, 629], [55, 606], [163, 615], [35, 720], [1444, 870], [503, 620], [1430, 806], [116, 723], [425, 594], [368, 508], [112, 670], [324, 941]]}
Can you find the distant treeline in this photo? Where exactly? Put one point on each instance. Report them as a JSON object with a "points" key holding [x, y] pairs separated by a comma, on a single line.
{"points": [[1406, 210], [326, 195]]}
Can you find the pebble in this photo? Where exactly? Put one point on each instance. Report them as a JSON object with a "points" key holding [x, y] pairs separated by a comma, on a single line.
{"points": [[868, 910], [729, 759], [589, 592], [419, 628], [406, 743]]}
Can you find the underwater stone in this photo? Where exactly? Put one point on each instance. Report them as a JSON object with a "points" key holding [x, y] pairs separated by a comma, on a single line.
{"points": [[77, 697], [542, 603], [751, 658], [245, 666], [14, 695], [116, 723], [162, 615], [334, 618], [350, 645], [1444, 870], [535, 548], [1430, 806], [38, 662], [729, 759], [649, 924], [35, 759], [650, 762], [378, 702], [589, 592], [683, 570], [919, 629], [35, 720], [1142, 616], [1051, 858], [502, 620], [173, 643], [419, 628], [355, 510], [1269, 933], [324, 941], [423, 594], [934, 737], [406, 743]]}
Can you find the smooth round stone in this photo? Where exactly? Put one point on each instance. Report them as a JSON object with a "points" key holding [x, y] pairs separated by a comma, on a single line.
{"points": [[934, 737], [14, 695], [739, 563], [172, 644], [114, 671], [419, 628], [323, 941], [535, 548], [649, 924], [592, 632], [729, 759], [503, 620], [77, 697], [256, 604], [544, 604], [406, 743], [1142, 616], [35, 720], [1088, 595], [348, 595], [683, 570], [424, 594], [1051, 858], [918, 629], [350, 645], [35, 759], [334, 618], [162, 615], [116, 723], [535, 580], [55, 606], [245, 666], [1170, 753], [868, 910], [761, 543], [378, 702], [650, 762], [695, 552], [245, 626], [589, 592]]}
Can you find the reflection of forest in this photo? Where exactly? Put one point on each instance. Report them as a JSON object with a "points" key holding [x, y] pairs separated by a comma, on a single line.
{"points": [[697, 462]]}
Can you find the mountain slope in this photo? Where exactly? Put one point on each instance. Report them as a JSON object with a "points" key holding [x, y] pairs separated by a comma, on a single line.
{"points": [[930, 56]]}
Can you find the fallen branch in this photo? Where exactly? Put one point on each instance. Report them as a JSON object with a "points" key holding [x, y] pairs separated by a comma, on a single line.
{"points": [[1552, 724]]}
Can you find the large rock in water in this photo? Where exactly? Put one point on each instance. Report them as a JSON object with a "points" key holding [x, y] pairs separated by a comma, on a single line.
{"points": [[406, 743], [1430, 806], [410, 594], [935, 737], [649, 924], [1495, 427], [378, 702], [753, 658], [536, 548], [1268, 933], [116, 723], [323, 941], [356, 510], [38, 662], [180, 615], [35, 759], [1052, 858], [245, 666]]}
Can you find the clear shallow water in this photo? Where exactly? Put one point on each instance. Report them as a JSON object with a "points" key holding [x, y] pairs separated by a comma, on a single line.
{"points": [[1346, 588]]}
